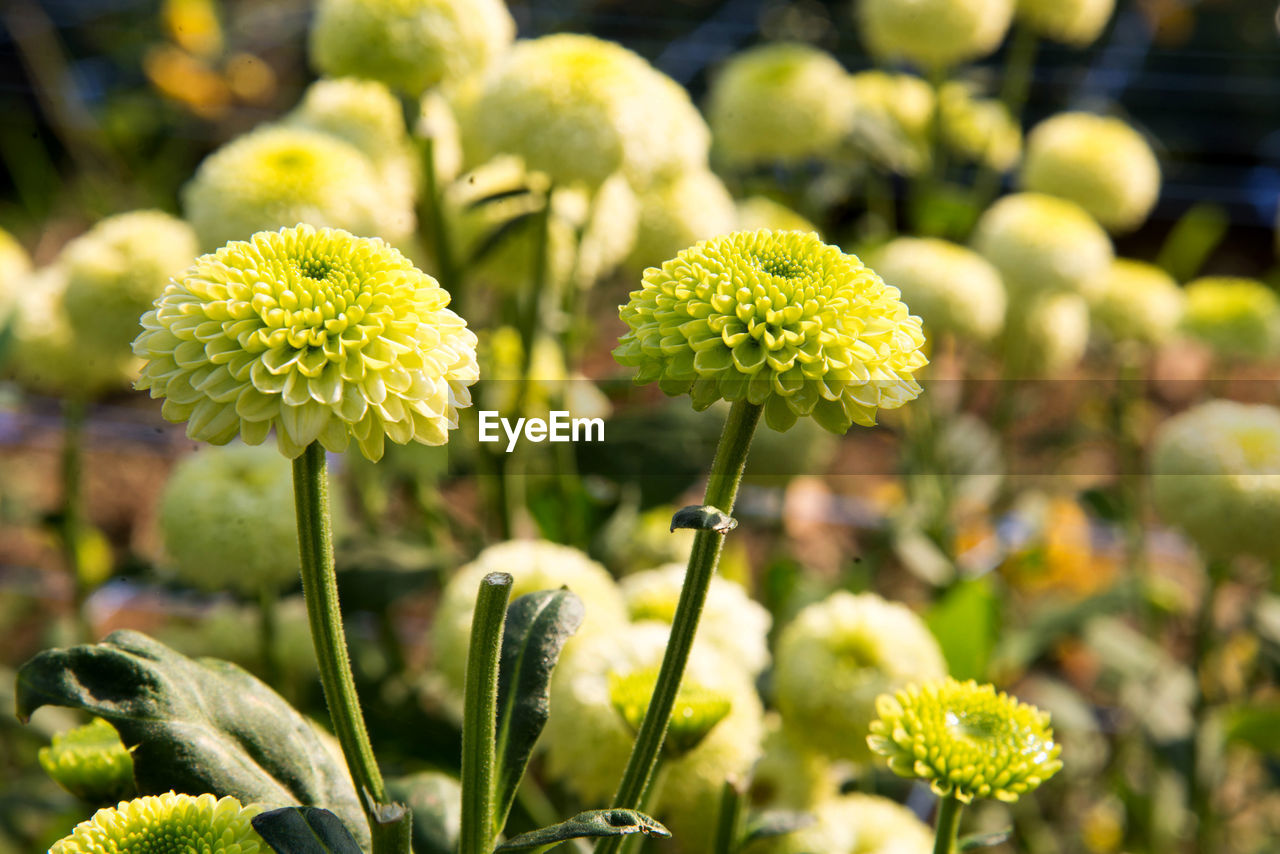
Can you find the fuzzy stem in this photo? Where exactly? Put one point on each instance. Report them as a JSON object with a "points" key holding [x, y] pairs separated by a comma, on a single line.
{"points": [[479, 715], [320, 589], [729, 821], [948, 826], [722, 491]]}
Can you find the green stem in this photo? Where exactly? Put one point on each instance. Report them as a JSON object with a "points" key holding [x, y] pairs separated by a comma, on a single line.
{"points": [[320, 589], [729, 821], [446, 265], [479, 716], [722, 491], [948, 825], [1018, 66]]}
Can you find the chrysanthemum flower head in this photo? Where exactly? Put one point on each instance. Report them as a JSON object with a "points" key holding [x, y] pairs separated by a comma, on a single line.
{"points": [[45, 356], [1074, 22], [731, 620], [934, 33], [696, 711], [584, 713], [320, 334], [837, 656], [227, 520], [117, 269], [534, 565], [15, 264], [410, 45], [1216, 475], [581, 109], [167, 824], [90, 762], [778, 102], [854, 824], [892, 117], [279, 176], [1099, 162], [980, 130], [1045, 334], [362, 112], [1137, 302], [790, 773], [757, 212], [1239, 319], [777, 318], [967, 740], [678, 212], [953, 289], [1043, 244]]}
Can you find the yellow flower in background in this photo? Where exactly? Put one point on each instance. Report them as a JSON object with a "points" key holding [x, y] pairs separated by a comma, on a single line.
{"points": [[279, 176], [363, 113], [678, 212], [966, 740], [933, 33], [1214, 475], [979, 129], [410, 45], [836, 656], [167, 824], [1239, 319], [1042, 244], [90, 762], [1058, 555], [757, 212], [193, 25], [953, 289], [117, 269], [1098, 162], [892, 117], [778, 103], [1074, 22], [854, 824], [1045, 335], [581, 109], [316, 333], [15, 265], [790, 774], [1137, 302], [777, 318]]}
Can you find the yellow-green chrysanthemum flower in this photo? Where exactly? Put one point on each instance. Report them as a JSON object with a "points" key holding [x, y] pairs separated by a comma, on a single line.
{"points": [[731, 620], [1137, 302], [1074, 22], [117, 269], [534, 565], [934, 33], [1214, 475], [953, 289], [15, 265], [361, 112], [854, 824], [1045, 335], [777, 318], [1238, 318], [410, 45], [227, 520], [696, 711], [791, 774], [608, 221], [90, 762], [581, 109], [892, 117], [1098, 162], [980, 130], [757, 212], [585, 714], [965, 739], [778, 103], [679, 212], [837, 656], [320, 334], [167, 824], [279, 176], [1043, 244], [44, 355]]}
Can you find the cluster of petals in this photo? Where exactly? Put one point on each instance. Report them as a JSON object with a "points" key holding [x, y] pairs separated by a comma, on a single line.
{"points": [[167, 824]]}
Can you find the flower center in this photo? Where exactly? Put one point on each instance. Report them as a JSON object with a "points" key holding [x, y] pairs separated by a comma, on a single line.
{"points": [[974, 726]]}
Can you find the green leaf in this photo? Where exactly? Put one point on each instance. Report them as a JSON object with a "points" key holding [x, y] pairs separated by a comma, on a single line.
{"points": [[199, 725], [501, 234], [1256, 725], [538, 624], [966, 624], [499, 196], [771, 823], [592, 823], [984, 840], [435, 799], [304, 830]]}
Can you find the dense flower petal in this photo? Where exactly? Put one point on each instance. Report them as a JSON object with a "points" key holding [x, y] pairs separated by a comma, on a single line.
{"points": [[90, 762], [167, 824]]}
